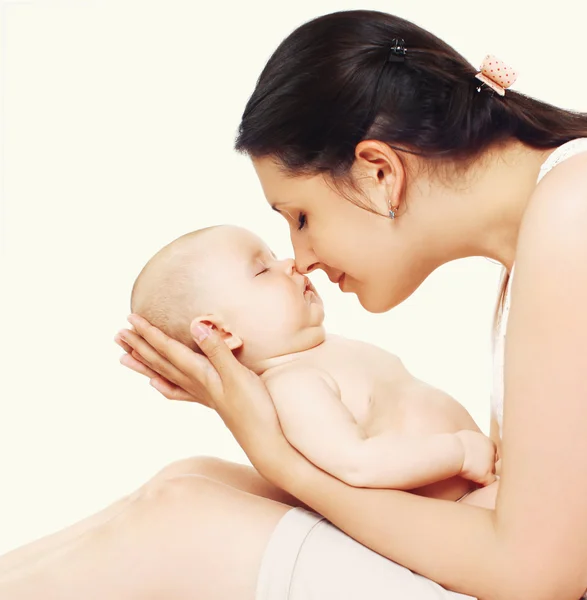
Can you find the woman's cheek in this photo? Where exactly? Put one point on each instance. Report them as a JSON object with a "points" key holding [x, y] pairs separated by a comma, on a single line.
{"points": [[369, 296]]}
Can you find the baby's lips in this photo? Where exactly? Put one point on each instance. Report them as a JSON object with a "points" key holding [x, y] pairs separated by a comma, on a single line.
{"points": [[310, 287]]}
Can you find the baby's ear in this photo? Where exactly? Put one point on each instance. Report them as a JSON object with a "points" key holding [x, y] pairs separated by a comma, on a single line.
{"points": [[233, 341]]}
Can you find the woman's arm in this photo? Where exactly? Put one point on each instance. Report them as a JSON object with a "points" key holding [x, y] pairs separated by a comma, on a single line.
{"points": [[534, 545], [451, 543], [423, 534], [541, 509]]}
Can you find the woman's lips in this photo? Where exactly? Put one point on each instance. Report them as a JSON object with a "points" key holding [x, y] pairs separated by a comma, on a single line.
{"points": [[341, 282]]}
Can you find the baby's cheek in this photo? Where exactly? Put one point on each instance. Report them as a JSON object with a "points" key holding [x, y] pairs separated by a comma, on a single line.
{"points": [[265, 316], [279, 312]]}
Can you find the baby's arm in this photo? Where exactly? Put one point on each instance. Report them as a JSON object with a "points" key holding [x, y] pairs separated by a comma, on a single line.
{"points": [[318, 424]]}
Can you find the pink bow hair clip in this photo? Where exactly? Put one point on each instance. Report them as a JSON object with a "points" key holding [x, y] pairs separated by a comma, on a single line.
{"points": [[496, 74]]}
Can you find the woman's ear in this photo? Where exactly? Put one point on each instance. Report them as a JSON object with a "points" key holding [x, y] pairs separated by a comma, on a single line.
{"points": [[385, 171], [233, 341]]}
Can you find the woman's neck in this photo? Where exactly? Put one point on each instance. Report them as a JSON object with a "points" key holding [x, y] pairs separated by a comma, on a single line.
{"points": [[484, 208], [505, 191]]}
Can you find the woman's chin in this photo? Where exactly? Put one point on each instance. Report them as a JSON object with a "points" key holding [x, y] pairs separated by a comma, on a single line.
{"points": [[372, 306], [371, 303]]}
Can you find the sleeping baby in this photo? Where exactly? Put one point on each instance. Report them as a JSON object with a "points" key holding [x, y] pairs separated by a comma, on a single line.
{"points": [[351, 408]]}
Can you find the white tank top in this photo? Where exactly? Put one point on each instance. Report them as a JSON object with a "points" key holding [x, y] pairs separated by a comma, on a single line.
{"points": [[559, 155]]}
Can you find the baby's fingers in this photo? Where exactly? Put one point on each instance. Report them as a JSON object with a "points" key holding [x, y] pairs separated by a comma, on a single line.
{"points": [[488, 479]]}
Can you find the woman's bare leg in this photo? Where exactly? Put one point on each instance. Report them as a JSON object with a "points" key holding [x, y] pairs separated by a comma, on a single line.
{"points": [[241, 477], [186, 537], [15, 558]]}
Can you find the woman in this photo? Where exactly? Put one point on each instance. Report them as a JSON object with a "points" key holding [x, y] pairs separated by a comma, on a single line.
{"points": [[388, 158]]}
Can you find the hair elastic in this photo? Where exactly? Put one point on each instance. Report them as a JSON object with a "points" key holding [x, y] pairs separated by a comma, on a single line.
{"points": [[496, 74], [397, 51]]}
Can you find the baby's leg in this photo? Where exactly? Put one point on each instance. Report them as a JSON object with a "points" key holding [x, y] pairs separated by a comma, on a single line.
{"points": [[238, 476]]}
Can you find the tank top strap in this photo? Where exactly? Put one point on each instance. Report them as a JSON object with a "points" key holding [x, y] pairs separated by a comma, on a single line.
{"points": [[561, 154]]}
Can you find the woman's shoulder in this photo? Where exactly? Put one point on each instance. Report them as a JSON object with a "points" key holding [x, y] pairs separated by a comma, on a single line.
{"points": [[561, 184], [562, 154], [559, 196], [562, 188], [559, 201], [554, 224]]}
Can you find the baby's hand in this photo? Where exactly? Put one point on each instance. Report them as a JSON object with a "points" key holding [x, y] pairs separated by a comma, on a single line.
{"points": [[480, 455]]}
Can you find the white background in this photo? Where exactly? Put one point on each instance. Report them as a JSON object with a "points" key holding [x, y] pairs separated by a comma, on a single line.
{"points": [[118, 123]]}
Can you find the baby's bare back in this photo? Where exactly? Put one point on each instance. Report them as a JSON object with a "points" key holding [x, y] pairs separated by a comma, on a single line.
{"points": [[384, 397]]}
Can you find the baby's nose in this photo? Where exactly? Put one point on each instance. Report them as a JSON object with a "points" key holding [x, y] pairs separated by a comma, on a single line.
{"points": [[289, 266]]}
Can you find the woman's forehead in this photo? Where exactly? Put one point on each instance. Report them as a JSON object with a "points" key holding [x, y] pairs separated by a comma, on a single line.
{"points": [[281, 188]]}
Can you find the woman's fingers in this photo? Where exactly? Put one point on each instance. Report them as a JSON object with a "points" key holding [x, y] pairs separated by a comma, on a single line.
{"points": [[136, 365], [170, 391], [134, 361], [151, 358], [164, 387], [138, 357], [175, 353], [219, 354], [175, 362], [120, 341]]}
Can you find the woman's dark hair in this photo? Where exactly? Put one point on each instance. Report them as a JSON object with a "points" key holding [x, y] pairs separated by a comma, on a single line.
{"points": [[329, 85]]}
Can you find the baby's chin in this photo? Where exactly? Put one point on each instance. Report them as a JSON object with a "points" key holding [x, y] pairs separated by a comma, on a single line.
{"points": [[305, 338], [308, 338], [288, 346]]}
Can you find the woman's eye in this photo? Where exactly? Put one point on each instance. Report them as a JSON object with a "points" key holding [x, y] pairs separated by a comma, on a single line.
{"points": [[302, 220], [263, 271]]}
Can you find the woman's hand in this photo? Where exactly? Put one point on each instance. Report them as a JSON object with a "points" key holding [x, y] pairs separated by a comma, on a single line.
{"points": [[135, 362], [216, 380]]}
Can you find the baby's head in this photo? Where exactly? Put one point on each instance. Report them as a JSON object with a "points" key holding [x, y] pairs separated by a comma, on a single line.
{"points": [[227, 278]]}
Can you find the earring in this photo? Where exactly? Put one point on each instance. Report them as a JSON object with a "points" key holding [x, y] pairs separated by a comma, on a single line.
{"points": [[391, 212]]}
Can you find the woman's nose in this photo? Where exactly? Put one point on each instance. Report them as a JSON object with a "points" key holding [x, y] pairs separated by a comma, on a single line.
{"points": [[305, 260], [305, 268]]}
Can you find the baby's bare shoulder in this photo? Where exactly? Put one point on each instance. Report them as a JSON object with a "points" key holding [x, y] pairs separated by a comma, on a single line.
{"points": [[356, 351]]}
